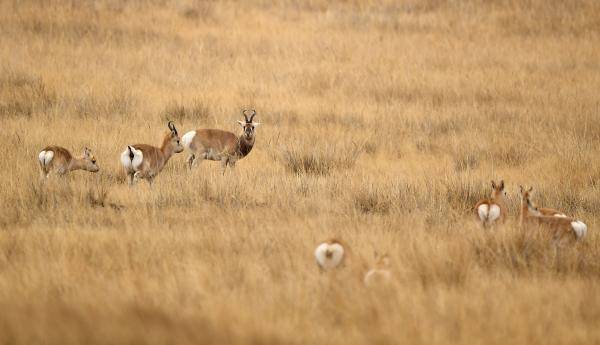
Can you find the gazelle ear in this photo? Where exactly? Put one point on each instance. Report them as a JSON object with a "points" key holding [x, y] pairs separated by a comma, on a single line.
{"points": [[493, 184], [242, 123], [501, 186], [521, 189], [530, 189], [255, 124], [86, 152]]}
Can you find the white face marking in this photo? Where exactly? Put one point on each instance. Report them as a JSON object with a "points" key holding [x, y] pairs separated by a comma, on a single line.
{"points": [[482, 211], [329, 256], [494, 212]]}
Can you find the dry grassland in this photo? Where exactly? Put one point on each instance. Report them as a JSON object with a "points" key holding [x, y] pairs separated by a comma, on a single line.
{"points": [[383, 123]]}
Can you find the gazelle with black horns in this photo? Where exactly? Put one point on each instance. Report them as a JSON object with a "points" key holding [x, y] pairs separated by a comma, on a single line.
{"points": [[219, 145], [146, 161]]}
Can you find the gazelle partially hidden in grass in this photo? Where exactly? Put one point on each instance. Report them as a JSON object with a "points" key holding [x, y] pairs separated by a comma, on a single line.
{"points": [[493, 210], [219, 145], [560, 228], [380, 274], [331, 254], [58, 160], [146, 161], [545, 211]]}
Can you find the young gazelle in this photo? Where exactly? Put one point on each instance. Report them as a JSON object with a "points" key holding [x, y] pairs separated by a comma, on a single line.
{"points": [[559, 227], [219, 145], [492, 210], [380, 274], [146, 161], [60, 161]]}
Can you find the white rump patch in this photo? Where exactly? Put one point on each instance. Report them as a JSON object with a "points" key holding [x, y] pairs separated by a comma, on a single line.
{"points": [[494, 212], [580, 228], [132, 164], [336, 254], [45, 157], [377, 277], [483, 211], [187, 138]]}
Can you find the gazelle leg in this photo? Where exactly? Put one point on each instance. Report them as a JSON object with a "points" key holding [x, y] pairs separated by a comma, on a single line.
{"points": [[130, 178], [224, 162], [190, 160]]}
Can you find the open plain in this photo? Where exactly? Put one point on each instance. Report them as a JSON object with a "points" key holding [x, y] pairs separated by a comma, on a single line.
{"points": [[383, 123]]}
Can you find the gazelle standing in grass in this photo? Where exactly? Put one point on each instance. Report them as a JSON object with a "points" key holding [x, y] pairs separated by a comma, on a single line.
{"points": [[493, 210], [58, 160], [380, 274], [559, 227], [219, 145], [146, 161]]}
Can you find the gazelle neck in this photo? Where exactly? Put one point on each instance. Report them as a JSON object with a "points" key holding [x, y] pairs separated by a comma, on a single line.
{"points": [[244, 146], [76, 164], [167, 149]]}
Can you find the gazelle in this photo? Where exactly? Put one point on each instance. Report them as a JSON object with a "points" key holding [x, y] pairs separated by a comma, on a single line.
{"points": [[331, 254], [380, 274], [545, 211], [493, 209], [146, 161], [559, 227], [60, 161], [219, 145]]}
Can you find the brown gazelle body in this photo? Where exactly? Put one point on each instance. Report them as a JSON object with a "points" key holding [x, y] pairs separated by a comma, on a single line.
{"points": [[559, 227], [493, 210], [219, 145], [146, 161], [58, 160]]}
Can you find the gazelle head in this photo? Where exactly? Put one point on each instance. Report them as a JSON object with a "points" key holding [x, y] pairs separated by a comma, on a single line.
{"points": [[382, 260], [172, 138], [526, 200], [89, 161], [248, 126], [498, 189]]}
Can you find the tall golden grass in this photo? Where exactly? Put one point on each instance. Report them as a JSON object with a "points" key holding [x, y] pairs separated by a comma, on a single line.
{"points": [[383, 123]]}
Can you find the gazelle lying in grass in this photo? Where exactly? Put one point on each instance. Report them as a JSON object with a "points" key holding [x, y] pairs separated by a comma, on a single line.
{"points": [[60, 161], [559, 227], [380, 274], [146, 161], [219, 145], [492, 210]]}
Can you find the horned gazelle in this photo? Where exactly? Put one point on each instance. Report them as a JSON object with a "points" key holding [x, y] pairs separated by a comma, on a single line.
{"points": [[559, 227], [60, 161], [146, 161], [493, 210], [219, 145]]}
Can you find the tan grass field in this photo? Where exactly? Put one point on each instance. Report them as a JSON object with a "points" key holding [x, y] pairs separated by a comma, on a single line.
{"points": [[383, 123]]}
